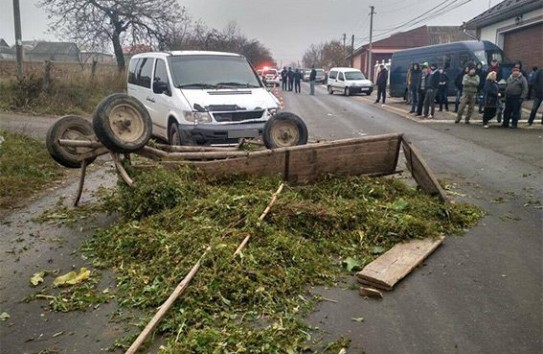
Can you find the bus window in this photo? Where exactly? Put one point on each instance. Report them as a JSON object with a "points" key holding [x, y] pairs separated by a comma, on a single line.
{"points": [[494, 55], [464, 59], [446, 61], [481, 56]]}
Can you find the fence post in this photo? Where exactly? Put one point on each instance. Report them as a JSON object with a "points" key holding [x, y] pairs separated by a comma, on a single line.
{"points": [[93, 68], [46, 75]]}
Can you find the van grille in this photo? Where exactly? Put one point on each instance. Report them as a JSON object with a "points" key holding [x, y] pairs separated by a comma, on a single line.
{"points": [[237, 116]]}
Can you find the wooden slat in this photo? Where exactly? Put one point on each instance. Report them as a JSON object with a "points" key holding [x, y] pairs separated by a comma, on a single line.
{"points": [[421, 172], [396, 263]]}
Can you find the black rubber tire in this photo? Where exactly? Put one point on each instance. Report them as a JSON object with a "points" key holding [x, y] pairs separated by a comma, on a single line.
{"points": [[122, 123], [347, 91], [368, 93], [173, 134], [69, 127], [283, 130], [330, 90]]}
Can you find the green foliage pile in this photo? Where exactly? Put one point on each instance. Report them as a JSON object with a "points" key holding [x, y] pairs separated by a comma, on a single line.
{"points": [[25, 166], [253, 303]]}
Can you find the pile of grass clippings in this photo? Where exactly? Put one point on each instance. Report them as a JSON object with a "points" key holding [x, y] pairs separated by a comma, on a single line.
{"points": [[25, 167], [253, 303]]}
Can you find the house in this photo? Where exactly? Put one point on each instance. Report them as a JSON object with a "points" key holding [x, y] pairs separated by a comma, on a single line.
{"points": [[54, 51], [383, 49], [3, 43], [101, 58], [516, 26]]}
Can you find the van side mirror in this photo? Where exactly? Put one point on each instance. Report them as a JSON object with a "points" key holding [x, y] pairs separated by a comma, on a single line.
{"points": [[160, 87]]}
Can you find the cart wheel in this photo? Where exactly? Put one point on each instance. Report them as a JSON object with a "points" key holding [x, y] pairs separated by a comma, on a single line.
{"points": [[283, 130], [71, 128], [122, 123]]}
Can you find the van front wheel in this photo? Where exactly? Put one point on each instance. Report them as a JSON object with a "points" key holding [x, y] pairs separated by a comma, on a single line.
{"points": [[330, 90], [173, 134], [347, 91]]}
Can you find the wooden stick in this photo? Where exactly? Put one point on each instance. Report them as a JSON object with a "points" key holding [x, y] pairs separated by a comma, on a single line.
{"points": [[261, 217], [184, 283], [81, 182], [79, 143], [124, 175], [181, 287], [188, 148]]}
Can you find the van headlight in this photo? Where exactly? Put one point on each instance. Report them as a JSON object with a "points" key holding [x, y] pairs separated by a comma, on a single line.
{"points": [[197, 117]]}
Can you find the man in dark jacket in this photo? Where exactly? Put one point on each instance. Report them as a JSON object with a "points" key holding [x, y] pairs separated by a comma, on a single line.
{"points": [[297, 78], [290, 78], [538, 96], [458, 85], [424, 77], [284, 79], [432, 85], [443, 90], [515, 93], [312, 79], [382, 79], [414, 82]]}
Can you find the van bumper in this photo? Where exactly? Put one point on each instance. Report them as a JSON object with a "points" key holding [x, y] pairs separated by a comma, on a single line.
{"points": [[205, 134]]}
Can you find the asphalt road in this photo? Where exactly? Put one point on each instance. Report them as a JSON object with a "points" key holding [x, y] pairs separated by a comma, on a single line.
{"points": [[478, 293]]}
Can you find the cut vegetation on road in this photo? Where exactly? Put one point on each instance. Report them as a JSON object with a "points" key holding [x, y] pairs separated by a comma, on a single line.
{"points": [[253, 302]]}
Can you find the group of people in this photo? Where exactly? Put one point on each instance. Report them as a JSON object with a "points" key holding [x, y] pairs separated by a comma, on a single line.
{"points": [[292, 78], [428, 84]]}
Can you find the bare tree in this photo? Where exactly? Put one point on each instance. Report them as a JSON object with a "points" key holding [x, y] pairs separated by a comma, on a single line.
{"points": [[96, 22], [326, 55]]}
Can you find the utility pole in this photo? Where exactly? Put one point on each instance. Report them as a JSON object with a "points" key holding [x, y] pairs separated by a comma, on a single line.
{"points": [[352, 50], [18, 40], [344, 47], [370, 63]]}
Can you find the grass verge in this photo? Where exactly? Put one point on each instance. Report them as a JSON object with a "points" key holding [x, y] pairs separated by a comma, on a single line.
{"points": [[25, 167]]}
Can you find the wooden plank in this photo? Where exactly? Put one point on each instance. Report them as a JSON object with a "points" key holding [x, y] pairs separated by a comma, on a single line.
{"points": [[421, 172], [396, 263]]}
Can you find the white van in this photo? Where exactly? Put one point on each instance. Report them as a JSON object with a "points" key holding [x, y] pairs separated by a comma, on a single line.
{"points": [[200, 97], [348, 81]]}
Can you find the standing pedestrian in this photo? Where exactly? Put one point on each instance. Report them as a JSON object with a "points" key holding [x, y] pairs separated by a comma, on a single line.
{"points": [[458, 85], [432, 85], [408, 93], [297, 78], [495, 67], [515, 93], [482, 78], [470, 85], [290, 78], [312, 78], [538, 96], [414, 82], [424, 77], [382, 79], [443, 90], [531, 77], [284, 78], [491, 95]]}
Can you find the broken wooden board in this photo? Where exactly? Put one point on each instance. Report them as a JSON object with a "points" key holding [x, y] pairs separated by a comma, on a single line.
{"points": [[420, 171], [387, 270]]}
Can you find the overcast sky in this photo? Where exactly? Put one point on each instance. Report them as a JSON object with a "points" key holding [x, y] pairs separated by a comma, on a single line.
{"points": [[286, 27]]}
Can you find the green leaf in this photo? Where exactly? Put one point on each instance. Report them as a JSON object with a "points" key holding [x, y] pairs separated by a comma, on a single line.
{"points": [[351, 264], [72, 278], [377, 250], [37, 278], [4, 316], [358, 319], [399, 204]]}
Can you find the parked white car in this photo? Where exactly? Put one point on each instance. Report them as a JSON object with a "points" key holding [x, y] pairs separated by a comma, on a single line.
{"points": [[271, 77], [200, 97], [348, 81]]}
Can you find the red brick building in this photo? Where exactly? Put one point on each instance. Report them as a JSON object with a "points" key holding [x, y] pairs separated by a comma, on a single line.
{"points": [[418, 37]]}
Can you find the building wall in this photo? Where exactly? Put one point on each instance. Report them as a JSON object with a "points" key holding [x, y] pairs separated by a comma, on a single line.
{"points": [[522, 41]]}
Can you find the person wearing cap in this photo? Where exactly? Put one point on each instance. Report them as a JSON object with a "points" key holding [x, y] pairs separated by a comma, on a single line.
{"points": [[470, 84], [432, 85], [424, 78], [382, 79], [515, 92]]}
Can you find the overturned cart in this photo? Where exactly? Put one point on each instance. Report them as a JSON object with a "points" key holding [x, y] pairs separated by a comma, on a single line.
{"points": [[121, 126]]}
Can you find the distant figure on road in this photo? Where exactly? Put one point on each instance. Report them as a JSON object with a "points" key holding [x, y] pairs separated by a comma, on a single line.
{"points": [[515, 93], [382, 79], [414, 82], [284, 78], [312, 78], [470, 85], [297, 78], [491, 93], [442, 91], [290, 77], [538, 96]]}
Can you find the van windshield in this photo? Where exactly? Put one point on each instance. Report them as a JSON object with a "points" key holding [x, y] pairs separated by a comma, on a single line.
{"points": [[212, 71], [354, 75], [485, 57]]}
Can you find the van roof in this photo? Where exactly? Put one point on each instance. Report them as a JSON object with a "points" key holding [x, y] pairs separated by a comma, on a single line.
{"points": [[454, 46], [344, 69], [185, 52]]}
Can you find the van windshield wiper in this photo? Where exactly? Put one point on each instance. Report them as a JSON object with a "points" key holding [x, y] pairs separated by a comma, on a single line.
{"points": [[197, 85], [235, 84]]}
